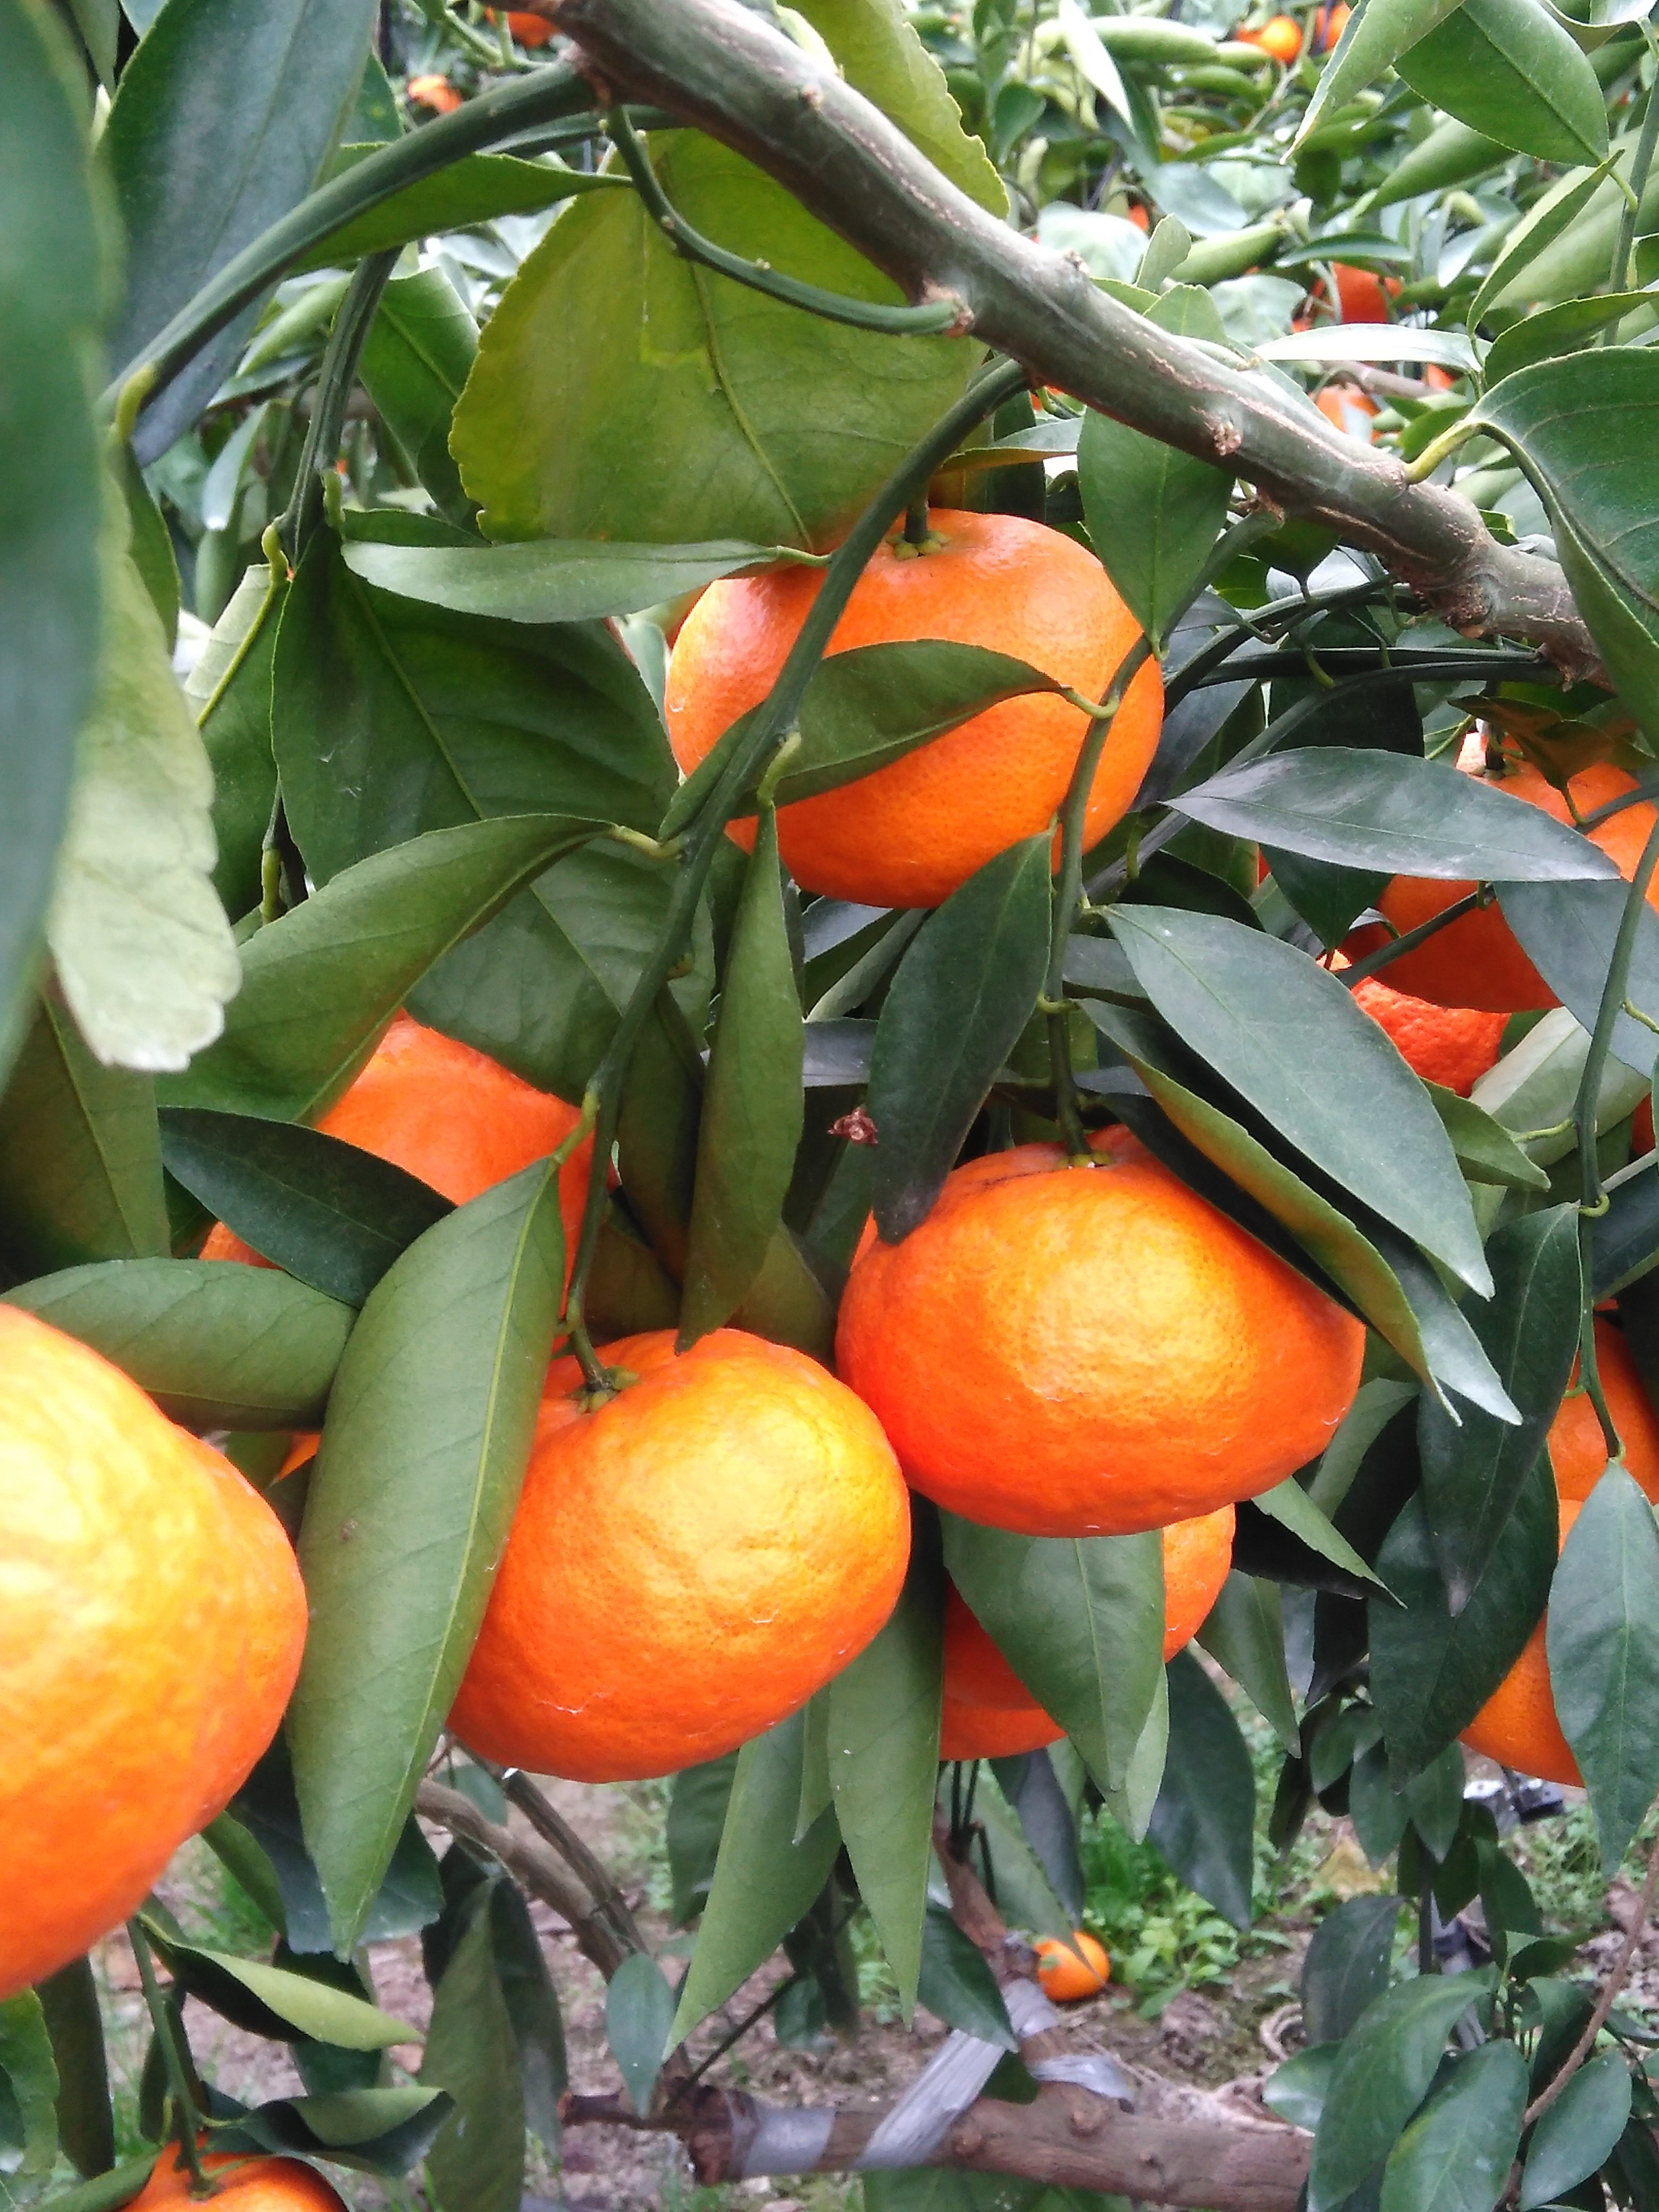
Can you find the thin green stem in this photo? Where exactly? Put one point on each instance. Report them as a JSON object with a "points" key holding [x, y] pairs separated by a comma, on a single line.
{"points": [[936, 315], [1409, 939], [773, 719], [187, 2119], [1641, 165], [355, 313]]}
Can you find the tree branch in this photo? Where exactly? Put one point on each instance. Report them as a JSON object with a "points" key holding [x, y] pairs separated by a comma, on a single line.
{"points": [[531, 1863], [723, 68]]}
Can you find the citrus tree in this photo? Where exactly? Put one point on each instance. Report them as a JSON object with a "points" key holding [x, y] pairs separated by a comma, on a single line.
{"points": [[826, 899]]}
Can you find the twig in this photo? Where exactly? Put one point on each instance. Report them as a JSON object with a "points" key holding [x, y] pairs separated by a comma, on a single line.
{"points": [[1608, 1997], [186, 2117], [553, 1828], [532, 1864]]}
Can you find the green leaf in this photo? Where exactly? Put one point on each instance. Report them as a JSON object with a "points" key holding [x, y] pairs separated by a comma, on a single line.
{"points": [[1376, 33], [1457, 2154], [80, 1162], [639, 2011], [963, 993], [532, 2006], [1452, 154], [476, 2163], [329, 1213], [474, 189], [229, 691], [1474, 1469], [217, 1347], [1343, 1097], [415, 360], [753, 1102], [1245, 1635], [1387, 811], [52, 289], [86, 2123], [1204, 1820], [1603, 1643], [372, 2131], [1025, 1897], [1566, 329], [1346, 1966], [1486, 1151], [1624, 1240], [269, 2001], [1048, 1809], [764, 1881], [428, 1434], [957, 1986], [1297, 2089], [232, 114], [1553, 213], [1381, 2073], [1288, 1504], [609, 357], [1179, 502], [883, 1748], [1506, 68], [142, 946], [1568, 932], [1080, 1620], [696, 1814], [29, 2074], [320, 984], [1575, 2136], [549, 580], [1431, 1670]]}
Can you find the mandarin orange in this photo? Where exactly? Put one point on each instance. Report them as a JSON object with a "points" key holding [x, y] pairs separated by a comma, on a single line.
{"points": [[244, 2184], [1329, 24], [1280, 36], [1517, 1726], [912, 832], [1578, 1451], [688, 1563], [151, 1621], [1080, 1351], [1063, 1975], [1453, 1046]]}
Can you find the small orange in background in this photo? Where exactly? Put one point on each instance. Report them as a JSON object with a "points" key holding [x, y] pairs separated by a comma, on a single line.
{"points": [[1362, 297], [1349, 410], [529, 30], [1329, 23], [1517, 1726], [1280, 36], [1579, 1451], [255, 2185], [688, 1563], [913, 832], [1063, 1976], [435, 92]]}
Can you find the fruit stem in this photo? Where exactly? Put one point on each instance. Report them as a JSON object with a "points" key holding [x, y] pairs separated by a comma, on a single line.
{"points": [[1408, 940], [916, 522], [187, 2119]]}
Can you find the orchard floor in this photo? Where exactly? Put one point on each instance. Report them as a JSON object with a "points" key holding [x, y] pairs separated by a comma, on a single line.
{"points": [[1209, 2018]]}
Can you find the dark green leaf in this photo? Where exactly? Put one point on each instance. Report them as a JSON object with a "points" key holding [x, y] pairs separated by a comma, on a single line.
{"points": [[1025, 1896], [567, 580], [230, 690], [1455, 2155], [217, 1347], [1048, 1815], [428, 1434], [1603, 1643], [532, 2006], [764, 1881], [696, 1814], [1081, 1620], [1379, 1812], [1624, 1240], [477, 2162], [1577, 2135], [1297, 2089], [86, 2123], [107, 2191], [1508, 69], [956, 1984], [1346, 1966], [1288, 1504], [1568, 328], [1204, 1820], [329, 1213], [1376, 33], [963, 993], [474, 189], [28, 2090], [270, 2001], [1341, 1094], [379, 2131], [1486, 1151], [751, 1105], [417, 357], [639, 2011], [1381, 2073], [245, 1859], [51, 496], [1553, 213], [237, 114], [1245, 1635], [1568, 931]]}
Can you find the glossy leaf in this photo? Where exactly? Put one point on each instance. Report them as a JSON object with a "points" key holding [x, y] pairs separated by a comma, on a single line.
{"points": [[1374, 36], [764, 1881], [1455, 2155], [751, 1117], [1387, 811], [1555, 332], [1048, 1812], [1431, 1670], [86, 2121], [415, 360], [1235, 996], [1346, 1966], [1025, 1896], [1081, 1620], [1550, 214], [1474, 1469], [1288, 1502], [217, 1347], [28, 2119], [229, 690], [696, 1814], [1603, 1643], [639, 2011], [379, 2131], [533, 2008], [428, 1438], [1486, 1151], [50, 489], [476, 189], [883, 1751], [1297, 2089], [1504, 67], [963, 993], [1577, 2135], [1381, 2072], [958, 1986], [1624, 1240], [1245, 1635], [237, 114], [477, 2162], [269, 2001], [549, 580], [328, 1211], [1204, 1820]]}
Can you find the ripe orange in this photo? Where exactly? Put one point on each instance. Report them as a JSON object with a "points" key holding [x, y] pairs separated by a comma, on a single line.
{"points": [[441, 1111], [1453, 1046], [1280, 36], [914, 831], [1517, 1725], [245, 2184], [1579, 1452], [1064, 1976], [688, 1564], [434, 92], [1348, 410], [1329, 24], [989, 1713], [1082, 1352], [1362, 296], [528, 30], [151, 1620]]}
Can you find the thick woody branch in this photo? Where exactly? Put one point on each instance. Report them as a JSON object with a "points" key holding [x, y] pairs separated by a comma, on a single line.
{"points": [[722, 68], [533, 1866]]}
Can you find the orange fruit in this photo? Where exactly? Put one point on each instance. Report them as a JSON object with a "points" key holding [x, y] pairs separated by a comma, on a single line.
{"points": [[1329, 24], [1640, 1129], [1362, 296], [151, 1620], [1517, 1725], [1475, 961], [1064, 1976], [1453, 1046], [245, 2184], [688, 1563], [1083, 1351], [441, 1111], [434, 92], [1578, 1451], [914, 831], [528, 30], [1280, 36], [989, 1713], [1348, 410]]}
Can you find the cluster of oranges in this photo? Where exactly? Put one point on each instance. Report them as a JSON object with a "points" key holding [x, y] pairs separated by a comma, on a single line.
{"points": [[1058, 1350]]}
